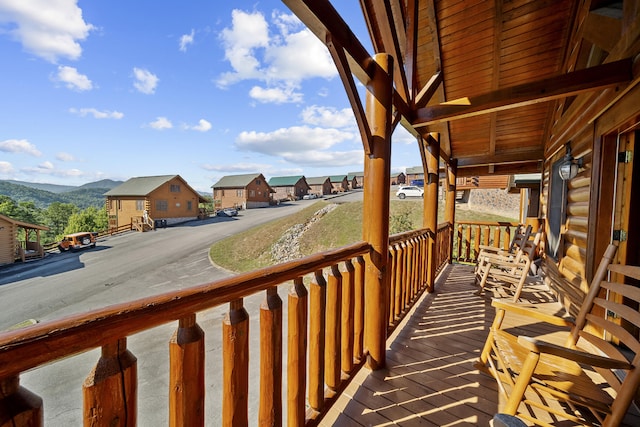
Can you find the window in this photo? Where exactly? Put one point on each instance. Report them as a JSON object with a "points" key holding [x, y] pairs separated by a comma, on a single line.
{"points": [[239, 193], [189, 205], [258, 182], [252, 193], [162, 205], [175, 188], [556, 210], [140, 205]]}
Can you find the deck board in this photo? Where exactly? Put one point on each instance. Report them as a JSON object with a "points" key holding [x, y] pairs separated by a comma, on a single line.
{"points": [[430, 378]]}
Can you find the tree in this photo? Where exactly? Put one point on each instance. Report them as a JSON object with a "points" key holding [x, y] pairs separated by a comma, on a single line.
{"points": [[90, 219], [57, 216]]}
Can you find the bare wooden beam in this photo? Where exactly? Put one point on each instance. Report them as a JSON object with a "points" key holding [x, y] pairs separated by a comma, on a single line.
{"points": [[602, 30], [322, 19], [569, 84], [498, 158], [411, 52], [340, 59], [508, 169], [427, 92]]}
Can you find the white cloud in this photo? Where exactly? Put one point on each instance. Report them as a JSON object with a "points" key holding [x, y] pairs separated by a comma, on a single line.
{"points": [[161, 123], [6, 167], [324, 158], [19, 146], [65, 157], [186, 40], [97, 114], [282, 60], [237, 168], [275, 95], [72, 79], [49, 29], [402, 136], [48, 168], [328, 116], [146, 82], [290, 140], [202, 126]]}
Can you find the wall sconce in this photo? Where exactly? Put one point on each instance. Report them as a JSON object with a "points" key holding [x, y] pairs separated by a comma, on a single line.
{"points": [[569, 167]]}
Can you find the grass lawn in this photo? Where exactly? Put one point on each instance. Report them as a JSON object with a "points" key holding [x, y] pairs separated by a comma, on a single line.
{"points": [[252, 249]]}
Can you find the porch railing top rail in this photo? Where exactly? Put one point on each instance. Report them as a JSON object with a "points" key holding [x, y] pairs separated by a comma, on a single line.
{"points": [[24, 349]]}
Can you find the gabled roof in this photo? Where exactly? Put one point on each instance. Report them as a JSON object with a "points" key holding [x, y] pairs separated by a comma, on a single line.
{"points": [[337, 178], [317, 180], [286, 181], [236, 181], [352, 175], [23, 224], [415, 169], [139, 186]]}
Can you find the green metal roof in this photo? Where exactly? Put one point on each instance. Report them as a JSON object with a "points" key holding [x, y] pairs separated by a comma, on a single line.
{"points": [[236, 181], [139, 186], [337, 178], [415, 170], [352, 175], [317, 180], [285, 181]]}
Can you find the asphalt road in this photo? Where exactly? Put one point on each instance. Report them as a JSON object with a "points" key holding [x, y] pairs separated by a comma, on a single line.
{"points": [[122, 268]]}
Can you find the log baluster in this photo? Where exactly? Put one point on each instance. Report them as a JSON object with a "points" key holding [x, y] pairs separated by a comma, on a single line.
{"points": [[358, 310], [235, 365], [424, 259], [332, 329], [110, 391], [406, 275], [496, 237], [186, 376], [476, 243], [468, 244], [507, 238], [459, 239], [393, 263], [347, 322], [297, 353], [486, 235], [18, 406], [270, 412], [399, 270], [410, 269], [317, 305]]}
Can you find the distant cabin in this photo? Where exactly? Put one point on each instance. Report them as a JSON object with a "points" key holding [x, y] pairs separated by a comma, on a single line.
{"points": [[19, 241], [413, 174], [167, 199], [339, 183], [319, 185], [289, 187], [242, 191], [355, 180], [398, 179]]}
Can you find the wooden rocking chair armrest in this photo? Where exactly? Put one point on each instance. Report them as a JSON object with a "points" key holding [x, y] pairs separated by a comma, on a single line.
{"points": [[575, 355], [493, 249], [532, 311], [496, 258]]}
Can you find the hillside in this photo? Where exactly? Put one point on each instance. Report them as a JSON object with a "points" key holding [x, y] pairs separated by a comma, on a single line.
{"points": [[91, 194]]}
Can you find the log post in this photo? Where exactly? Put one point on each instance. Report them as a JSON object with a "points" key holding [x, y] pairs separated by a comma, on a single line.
{"points": [[332, 329], [317, 306], [432, 155], [235, 365], [186, 374], [347, 321], [18, 406], [297, 353], [270, 413], [358, 310], [110, 391], [450, 204], [376, 205]]}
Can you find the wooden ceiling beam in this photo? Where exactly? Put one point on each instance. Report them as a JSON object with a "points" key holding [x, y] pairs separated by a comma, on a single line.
{"points": [[565, 85], [502, 158], [427, 92], [508, 169], [322, 19]]}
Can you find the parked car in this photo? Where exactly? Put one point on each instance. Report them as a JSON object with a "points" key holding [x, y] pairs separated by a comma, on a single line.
{"points": [[228, 212], [418, 182], [76, 241], [309, 196], [409, 191]]}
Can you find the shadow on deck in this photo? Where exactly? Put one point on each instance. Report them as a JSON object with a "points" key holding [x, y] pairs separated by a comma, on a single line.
{"points": [[430, 378]]}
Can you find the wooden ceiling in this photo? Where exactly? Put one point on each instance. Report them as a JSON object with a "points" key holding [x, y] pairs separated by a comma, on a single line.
{"points": [[490, 76]]}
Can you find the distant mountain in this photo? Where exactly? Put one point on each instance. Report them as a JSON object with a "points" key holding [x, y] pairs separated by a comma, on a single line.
{"points": [[91, 194]]}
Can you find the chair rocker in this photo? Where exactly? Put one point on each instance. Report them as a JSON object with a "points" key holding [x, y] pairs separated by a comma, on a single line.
{"points": [[591, 380]]}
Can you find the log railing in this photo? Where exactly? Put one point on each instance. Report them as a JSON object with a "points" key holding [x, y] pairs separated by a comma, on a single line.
{"points": [[471, 234], [324, 341]]}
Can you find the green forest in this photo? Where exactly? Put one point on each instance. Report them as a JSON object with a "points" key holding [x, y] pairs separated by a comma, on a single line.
{"points": [[71, 210]]}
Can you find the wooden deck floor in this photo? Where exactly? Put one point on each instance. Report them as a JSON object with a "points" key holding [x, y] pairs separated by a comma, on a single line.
{"points": [[430, 378]]}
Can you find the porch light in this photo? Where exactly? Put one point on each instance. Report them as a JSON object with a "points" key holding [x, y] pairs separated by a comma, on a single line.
{"points": [[569, 167]]}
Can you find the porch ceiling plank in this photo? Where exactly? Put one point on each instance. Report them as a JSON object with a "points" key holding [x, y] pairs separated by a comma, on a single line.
{"points": [[513, 157], [388, 37], [340, 59], [569, 84], [500, 169]]}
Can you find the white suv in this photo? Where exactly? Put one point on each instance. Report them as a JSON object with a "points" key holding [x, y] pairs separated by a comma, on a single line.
{"points": [[409, 191]]}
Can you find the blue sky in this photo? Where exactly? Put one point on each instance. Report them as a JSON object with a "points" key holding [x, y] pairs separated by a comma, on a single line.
{"points": [[118, 89]]}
